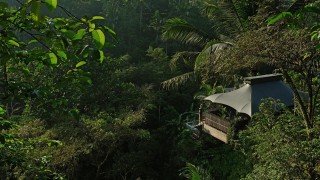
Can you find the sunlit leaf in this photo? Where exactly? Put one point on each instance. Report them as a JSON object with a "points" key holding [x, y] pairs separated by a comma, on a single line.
{"points": [[83, 20], [92, 26], [79, 35], [99, 38], [62, 54], [14, 43], [98, 55], [51, 4], [102, 57], [278, 17], [32, 41], [25, 70], [81, 63], [97, 18], [53, 58]]}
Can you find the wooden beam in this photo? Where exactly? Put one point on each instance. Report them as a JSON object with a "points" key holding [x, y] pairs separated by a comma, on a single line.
{"points": [[215, 133]]}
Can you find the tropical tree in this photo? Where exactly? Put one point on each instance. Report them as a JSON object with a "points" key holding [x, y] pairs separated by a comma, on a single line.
{"points": [[270, 46], [42, 59], [291, 45], [33, 44], [226, 20], [279, 147]]}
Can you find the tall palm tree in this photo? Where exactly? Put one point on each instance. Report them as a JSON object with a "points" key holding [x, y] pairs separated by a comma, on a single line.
{"points": [[228, 18]]}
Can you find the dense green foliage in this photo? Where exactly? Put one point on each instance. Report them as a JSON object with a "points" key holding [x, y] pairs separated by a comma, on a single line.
{"points": [[86, 88]]}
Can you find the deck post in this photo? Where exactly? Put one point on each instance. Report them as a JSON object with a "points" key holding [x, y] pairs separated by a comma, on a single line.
{"points": [[200, 114]]}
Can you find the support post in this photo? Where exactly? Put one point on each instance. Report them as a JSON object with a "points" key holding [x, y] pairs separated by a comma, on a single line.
{"points": [[200, 114]]}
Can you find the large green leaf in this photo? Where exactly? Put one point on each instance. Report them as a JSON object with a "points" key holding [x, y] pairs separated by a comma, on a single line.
{"points": [[81, 63], [62, 54], [14, 43], [99, 38], [53, 58], [79, 35], [51, 4]]}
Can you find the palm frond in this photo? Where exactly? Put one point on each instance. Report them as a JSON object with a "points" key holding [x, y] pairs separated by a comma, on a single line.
{"points": [[187, 57], [209, 7], [193, 172], [177, 81], [211, 54], [179, 29], [229, 15], [205, 90]]}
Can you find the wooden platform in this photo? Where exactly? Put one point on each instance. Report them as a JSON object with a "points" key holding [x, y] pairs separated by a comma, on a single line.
{"points": [[215, 133], [215, 126]]}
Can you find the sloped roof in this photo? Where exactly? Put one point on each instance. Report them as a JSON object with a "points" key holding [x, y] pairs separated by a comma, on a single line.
{"points": [[247, 99]]}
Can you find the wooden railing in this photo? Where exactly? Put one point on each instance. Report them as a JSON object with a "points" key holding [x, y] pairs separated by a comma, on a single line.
{"points": [[216, 122]]}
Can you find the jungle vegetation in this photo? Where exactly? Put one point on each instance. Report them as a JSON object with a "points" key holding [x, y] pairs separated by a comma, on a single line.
{"points": [[102, 89]]}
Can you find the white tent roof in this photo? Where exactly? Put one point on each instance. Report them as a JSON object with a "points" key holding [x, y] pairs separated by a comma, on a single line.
{"points": [[247, 99]]}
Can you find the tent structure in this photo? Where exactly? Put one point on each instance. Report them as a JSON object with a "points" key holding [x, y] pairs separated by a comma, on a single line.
{"points": [[247, 99]]}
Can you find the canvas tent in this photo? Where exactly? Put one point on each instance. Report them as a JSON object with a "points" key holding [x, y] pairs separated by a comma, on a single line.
{"points": [[247, 99]]}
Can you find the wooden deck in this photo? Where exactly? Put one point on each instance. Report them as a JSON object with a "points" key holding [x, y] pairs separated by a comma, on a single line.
{"points": [[215, 126]]}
